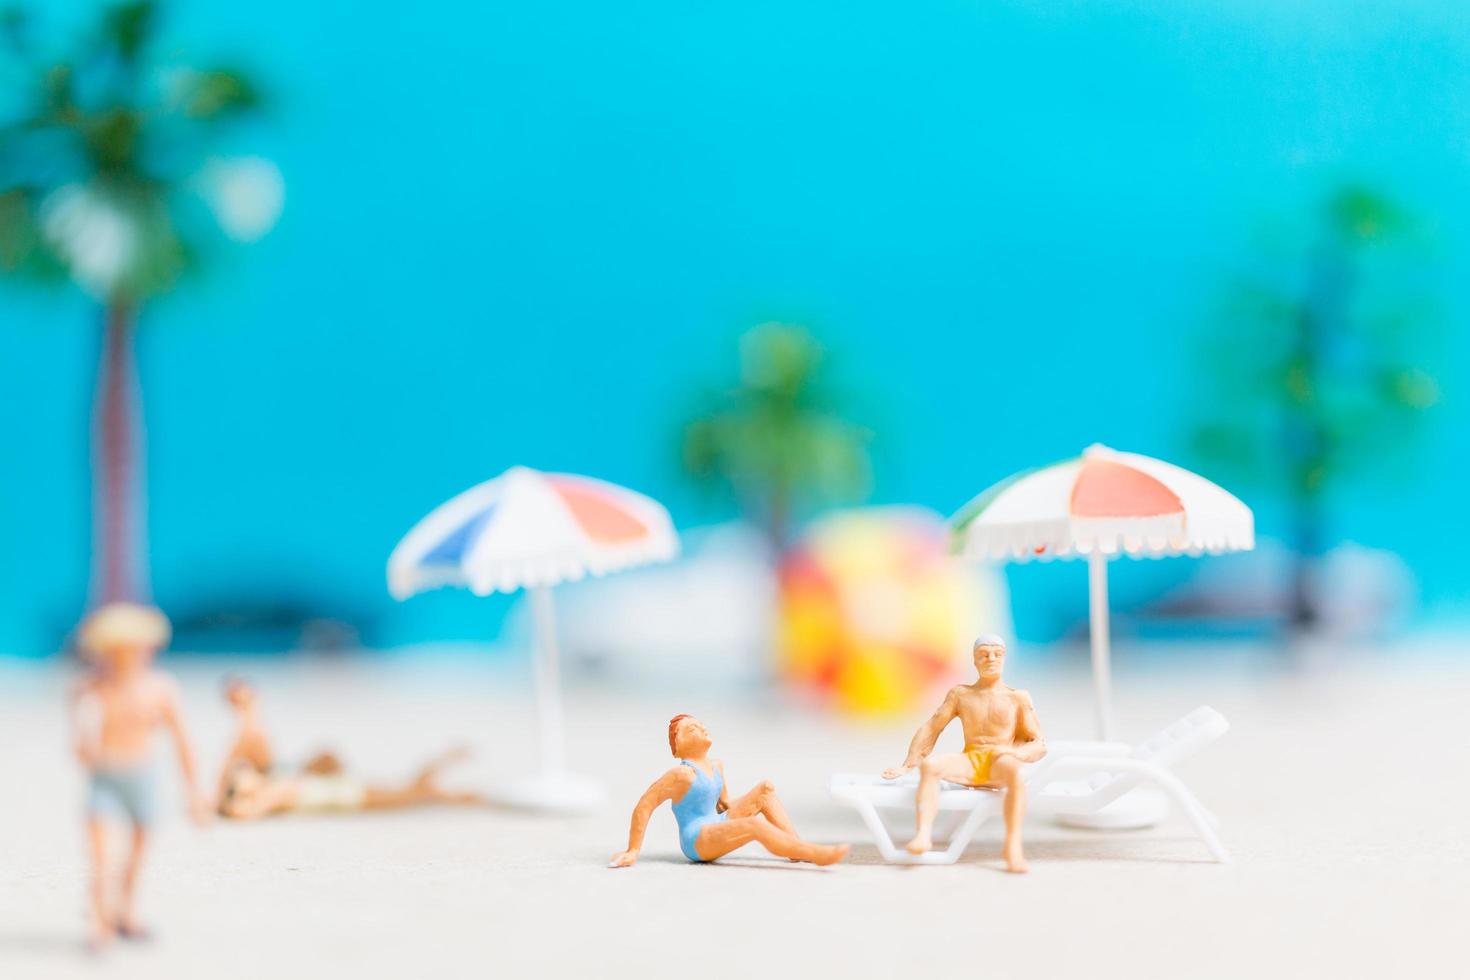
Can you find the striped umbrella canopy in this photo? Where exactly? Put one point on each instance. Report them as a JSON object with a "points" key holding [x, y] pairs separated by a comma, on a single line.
{"points": [[528, 529], [533, 530], [1100, 505]]}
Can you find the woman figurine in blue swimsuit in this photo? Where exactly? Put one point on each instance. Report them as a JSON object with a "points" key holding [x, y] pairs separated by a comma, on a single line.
{"points": [[710, 824]]}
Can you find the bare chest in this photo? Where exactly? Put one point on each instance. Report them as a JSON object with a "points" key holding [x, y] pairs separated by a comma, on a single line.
{"points": [[988, 717], [129, 713]]}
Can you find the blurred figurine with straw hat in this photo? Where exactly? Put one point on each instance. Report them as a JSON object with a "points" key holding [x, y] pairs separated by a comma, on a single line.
{"points": [[116, 710]]}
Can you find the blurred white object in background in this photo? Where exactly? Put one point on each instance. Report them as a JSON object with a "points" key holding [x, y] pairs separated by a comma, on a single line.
{"points": [[1362, 592], [93, 233], [246, 195], [703, 622]]}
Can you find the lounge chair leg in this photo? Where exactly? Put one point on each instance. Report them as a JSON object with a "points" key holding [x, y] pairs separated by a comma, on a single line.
{"points": [[965, 833], [881, 837], [1198, 815]]}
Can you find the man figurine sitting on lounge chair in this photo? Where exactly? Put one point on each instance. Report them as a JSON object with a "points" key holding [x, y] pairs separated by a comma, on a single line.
{"points": [[1001, 734]]}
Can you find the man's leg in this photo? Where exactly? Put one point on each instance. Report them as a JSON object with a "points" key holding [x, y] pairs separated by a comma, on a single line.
{"points": [[1006, 772], [955, 768], [718, 839], [127, 919], [762, 800], [102, 925]]}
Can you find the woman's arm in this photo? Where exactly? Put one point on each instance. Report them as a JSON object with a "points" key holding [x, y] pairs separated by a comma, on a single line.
{"points": [[199, 807], [86, 726], [669, 785]]}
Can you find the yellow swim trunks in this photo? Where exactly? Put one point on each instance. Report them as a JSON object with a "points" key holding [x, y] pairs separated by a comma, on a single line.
{"points": [[980, 757]]}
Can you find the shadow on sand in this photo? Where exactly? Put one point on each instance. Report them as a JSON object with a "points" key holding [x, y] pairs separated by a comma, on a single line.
{"points": [[1104, 848], [44, 944]]}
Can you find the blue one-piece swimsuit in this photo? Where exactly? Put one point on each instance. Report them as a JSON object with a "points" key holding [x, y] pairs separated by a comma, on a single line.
{"points": [[697, 808]]}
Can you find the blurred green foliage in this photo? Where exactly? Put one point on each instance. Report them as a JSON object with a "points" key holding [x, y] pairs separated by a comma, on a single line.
{"points": [[1317, 370], [101, 151], [107, 179], [778, 441]]}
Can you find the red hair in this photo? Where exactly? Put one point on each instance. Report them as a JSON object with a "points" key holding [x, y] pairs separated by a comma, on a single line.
{"points": [[673, 730]]}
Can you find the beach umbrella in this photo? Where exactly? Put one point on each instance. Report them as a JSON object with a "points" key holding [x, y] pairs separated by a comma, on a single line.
{"points": [[531, 530], [1099, 506]]}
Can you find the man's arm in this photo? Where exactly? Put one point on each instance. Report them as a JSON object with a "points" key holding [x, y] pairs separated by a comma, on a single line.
{"points": [[666, 788], [724, 802], [1030, 745], [173, 720], [86, 725], [927, 735]]}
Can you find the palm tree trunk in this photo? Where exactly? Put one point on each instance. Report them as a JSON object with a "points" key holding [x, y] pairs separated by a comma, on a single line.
{"points": [[778, 521], [1303, 614], [118, 568]]}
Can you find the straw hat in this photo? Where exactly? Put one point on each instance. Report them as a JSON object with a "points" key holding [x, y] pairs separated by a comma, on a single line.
{"points": [[119, 624]]}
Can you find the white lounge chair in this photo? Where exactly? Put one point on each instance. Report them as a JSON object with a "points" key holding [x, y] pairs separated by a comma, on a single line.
{"points": [[1075, 779]]}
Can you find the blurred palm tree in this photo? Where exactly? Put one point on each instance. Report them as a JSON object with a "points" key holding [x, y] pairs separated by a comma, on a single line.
{"points": [[1315, 373], [106, 180], [777, 440]]}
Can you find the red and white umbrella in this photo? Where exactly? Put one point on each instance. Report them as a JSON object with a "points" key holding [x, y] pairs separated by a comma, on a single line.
{"points": [[533, 530], [1100, 505]]}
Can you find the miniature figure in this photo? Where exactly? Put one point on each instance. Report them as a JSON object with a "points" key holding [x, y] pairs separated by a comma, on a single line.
{"points": [[250, 794], [1001, 734], [250, 789], [116, 711], [251, 746], [710, 824]]}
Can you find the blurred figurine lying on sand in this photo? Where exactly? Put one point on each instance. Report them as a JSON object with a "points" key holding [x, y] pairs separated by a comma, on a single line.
{"points": [[251, 786]]}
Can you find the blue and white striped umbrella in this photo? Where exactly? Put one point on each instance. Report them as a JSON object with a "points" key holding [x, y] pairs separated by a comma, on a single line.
{"points": [[533, 530]]}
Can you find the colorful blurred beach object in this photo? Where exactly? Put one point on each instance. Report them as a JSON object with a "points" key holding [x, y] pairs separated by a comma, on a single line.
{"points": [[531, 530], [1100, 505], [874, 613]]}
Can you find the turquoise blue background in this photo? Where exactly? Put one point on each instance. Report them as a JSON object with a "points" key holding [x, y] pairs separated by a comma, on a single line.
{"points": [[530, 233]]}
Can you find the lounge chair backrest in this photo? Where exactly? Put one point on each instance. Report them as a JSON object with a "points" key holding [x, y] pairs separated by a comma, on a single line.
{"points": [[1167, 746]]}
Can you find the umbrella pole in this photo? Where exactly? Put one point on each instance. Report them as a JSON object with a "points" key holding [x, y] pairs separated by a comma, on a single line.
{"points": [[548, 682], [1097, 582]]}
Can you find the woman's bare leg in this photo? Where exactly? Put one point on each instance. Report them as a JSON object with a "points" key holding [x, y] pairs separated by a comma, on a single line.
{"points": [[391, 798], [422, 790], [955, 768], [127, 920], [434, 766], [762, 800], [718, 839], [103, 927]]}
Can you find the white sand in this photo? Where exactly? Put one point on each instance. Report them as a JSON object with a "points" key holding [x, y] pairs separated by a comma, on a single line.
{"points": [[1344, 802]]}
